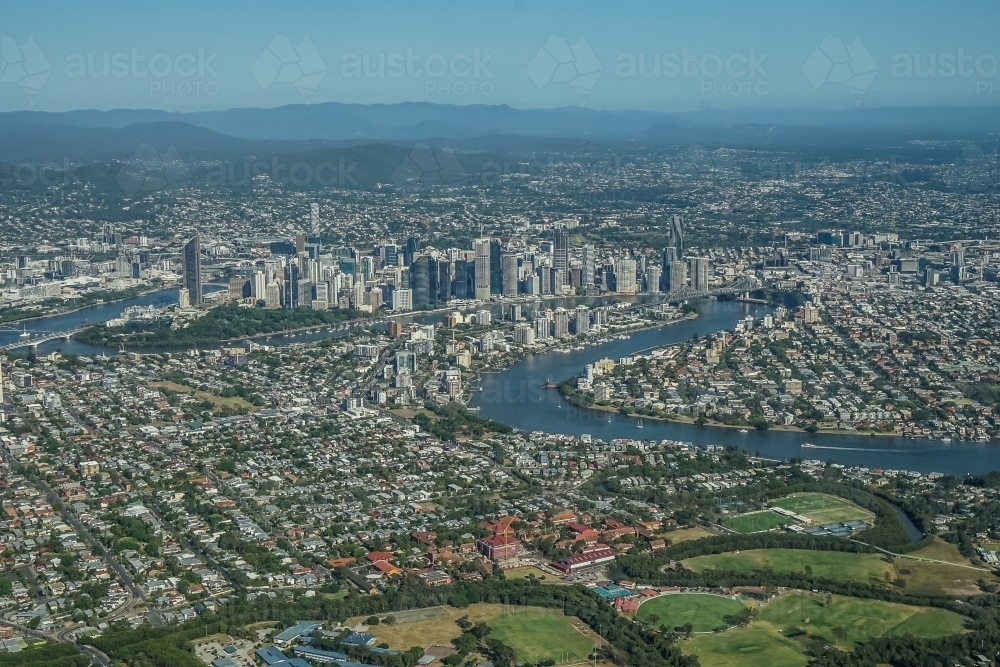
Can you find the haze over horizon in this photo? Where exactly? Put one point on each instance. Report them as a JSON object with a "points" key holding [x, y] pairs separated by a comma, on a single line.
{"points": [[654, 57]]}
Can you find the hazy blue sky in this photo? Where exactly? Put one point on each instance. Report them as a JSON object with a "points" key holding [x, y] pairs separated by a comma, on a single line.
{"points": [[664, 56]]}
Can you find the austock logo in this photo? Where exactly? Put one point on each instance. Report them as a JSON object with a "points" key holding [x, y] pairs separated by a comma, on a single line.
{"points": [[23, 64], [835, 62], [560, 62], [284, 62]]}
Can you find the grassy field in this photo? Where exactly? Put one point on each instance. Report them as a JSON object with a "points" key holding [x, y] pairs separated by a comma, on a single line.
{"points": [[941, 550], [685, 534], [540, 634], [529, 630], [762, 644], [860, 619], [703, 612], [524, 572], [765, 642], [828, 564], [756, 522], [919, 577], [823, 508], [233, 403]]}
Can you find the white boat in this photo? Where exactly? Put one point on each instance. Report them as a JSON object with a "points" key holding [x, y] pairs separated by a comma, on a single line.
{"points": [[945, 439], [808, 445], [24, 333], [609, 419], [639, 424], [743, 430]]}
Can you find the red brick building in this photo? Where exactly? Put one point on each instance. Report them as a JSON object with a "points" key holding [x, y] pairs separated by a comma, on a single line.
{"points": [[499, 547]]}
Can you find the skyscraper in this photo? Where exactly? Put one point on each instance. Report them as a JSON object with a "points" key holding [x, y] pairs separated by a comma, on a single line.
{"points": [[589, 259], [482, 269], [496, 267], [653, 279], [258, 283], [560, 252], [509, 270], [626, 275], [561, 318], [192, 269], [677, 275], [291, 286], [669, 257], [314, 219], [699, 274], [420, 281], [676, 242]]}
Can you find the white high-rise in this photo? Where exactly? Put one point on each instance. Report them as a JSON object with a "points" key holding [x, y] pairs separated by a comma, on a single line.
{"points": [[626, 275], [482, 264]]}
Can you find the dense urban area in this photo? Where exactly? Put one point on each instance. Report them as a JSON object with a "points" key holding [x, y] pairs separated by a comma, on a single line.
{"points": [[256, 426]]}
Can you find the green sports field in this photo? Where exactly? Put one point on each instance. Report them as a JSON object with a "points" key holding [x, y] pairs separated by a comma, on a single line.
{"points": [[823, 508], [761, 645], [859, 619], [756, 522], [780, 634], [838, 565], [703, 612], [541, 635]]}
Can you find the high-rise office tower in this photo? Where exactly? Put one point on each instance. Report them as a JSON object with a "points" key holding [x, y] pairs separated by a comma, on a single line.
{"points": [[389, 254], [699, 274], [676, 235], [545, 279], [509, 271], [446, 274], [420, 281], [669, 257], [192, 269], [464, 274], [589, 259], [482, 269], [411, 249], [258, 283], [314, 219], [291, 286], [677, 275], [560, 252], [626, 275], [496, 267]]}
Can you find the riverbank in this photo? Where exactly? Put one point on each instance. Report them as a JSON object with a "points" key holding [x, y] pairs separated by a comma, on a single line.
{"points": [[125, 296], [681, 419], [569, 345]]}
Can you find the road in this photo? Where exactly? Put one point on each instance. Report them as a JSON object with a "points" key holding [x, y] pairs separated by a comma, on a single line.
{"points": [[136, 594]]}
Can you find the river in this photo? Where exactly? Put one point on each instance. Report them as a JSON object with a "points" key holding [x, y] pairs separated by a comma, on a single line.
{"points": [[515, 397]]}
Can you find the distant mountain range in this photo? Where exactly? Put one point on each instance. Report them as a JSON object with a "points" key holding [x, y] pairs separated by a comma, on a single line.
{"points": [[91, 136]]}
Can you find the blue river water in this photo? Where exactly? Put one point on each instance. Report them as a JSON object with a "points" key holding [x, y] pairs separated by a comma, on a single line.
{"points": [[515, 396]]}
